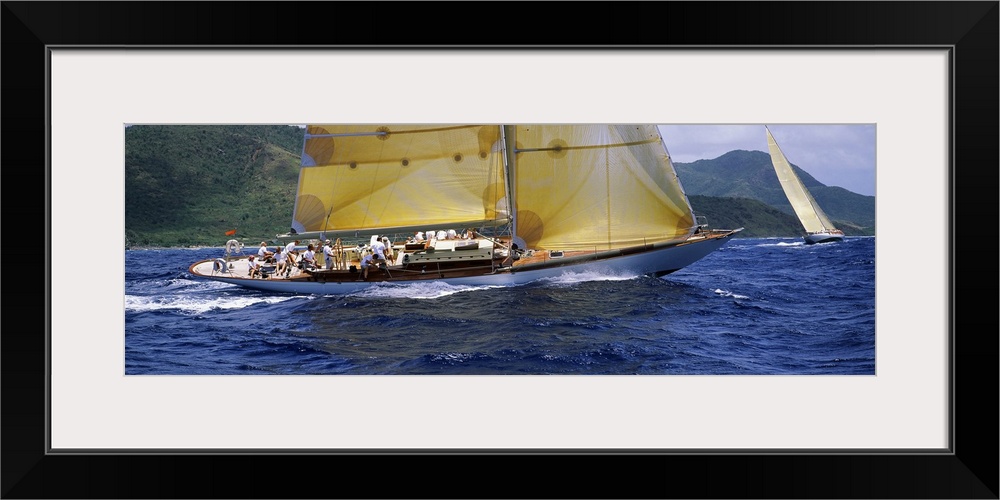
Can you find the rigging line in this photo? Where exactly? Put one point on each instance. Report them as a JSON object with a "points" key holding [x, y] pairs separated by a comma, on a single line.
{"points": [[607, 192], [594, 146], [326, 223]]}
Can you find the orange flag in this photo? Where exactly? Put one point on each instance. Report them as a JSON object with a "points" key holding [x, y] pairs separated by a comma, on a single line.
{"points": [[230, 232]]}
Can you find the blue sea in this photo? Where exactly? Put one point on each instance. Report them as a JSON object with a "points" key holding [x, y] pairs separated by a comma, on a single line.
{"points": [[756, 306]]}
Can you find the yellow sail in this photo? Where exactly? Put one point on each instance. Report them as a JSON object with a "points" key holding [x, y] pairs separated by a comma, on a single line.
{"points": [[810, 214], [596, 187], [400, 177]]}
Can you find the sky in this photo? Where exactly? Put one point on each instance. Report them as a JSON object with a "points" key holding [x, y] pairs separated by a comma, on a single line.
{"points": [[836, 155]]}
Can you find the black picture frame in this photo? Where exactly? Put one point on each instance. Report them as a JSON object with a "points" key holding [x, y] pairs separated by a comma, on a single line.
{"points": [[969, 471]]}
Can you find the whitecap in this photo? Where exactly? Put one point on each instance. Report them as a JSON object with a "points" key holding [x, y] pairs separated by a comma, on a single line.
{"points": [[572, 278], [783, 244], [421, 290], [727, 293], [196, 304]]}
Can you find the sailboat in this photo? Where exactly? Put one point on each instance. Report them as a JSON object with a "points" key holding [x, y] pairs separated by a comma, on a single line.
{"points": [[817, 225], [480, 205]]}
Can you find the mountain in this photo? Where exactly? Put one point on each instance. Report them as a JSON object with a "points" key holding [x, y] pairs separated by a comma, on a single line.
{"points": [[749, 174], [190, 184]]}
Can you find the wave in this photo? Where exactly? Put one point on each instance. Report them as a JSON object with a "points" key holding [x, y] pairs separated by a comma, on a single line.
{"points": [[784, 244], [727, 293], [185, 285], [573, 278], [423, 290], [196, 304], [438, 289]]}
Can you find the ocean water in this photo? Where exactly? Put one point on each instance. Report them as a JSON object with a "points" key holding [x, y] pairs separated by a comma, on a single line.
{"points": [[770, 306]]}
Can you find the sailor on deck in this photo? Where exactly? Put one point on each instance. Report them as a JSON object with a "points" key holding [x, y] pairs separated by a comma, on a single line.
{"points": [[290, 252], [379, 248], [254, 266], [387, 250], [328, 254], [263, 254], [308, 258], [280, 258], [366, 262]]}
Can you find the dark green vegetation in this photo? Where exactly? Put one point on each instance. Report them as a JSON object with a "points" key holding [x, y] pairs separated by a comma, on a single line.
{"points": [[757, 219], [189, 184]]}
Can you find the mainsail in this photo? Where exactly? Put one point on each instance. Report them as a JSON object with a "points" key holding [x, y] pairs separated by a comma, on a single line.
{"points": [[810, 214], [398, 178], [596, 187]]}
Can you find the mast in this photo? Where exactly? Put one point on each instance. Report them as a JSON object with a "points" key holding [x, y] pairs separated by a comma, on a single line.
{"points": [[507, 132]]}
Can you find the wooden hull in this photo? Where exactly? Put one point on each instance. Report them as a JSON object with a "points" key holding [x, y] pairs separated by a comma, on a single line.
{"points": [[653, 260]]}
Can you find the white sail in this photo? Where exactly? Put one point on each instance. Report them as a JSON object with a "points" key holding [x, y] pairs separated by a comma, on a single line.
{"points": [[813, 219]]}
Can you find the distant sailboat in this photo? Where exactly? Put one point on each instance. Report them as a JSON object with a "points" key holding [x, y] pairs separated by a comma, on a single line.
{"points": [[500, 204], [817, 225]]}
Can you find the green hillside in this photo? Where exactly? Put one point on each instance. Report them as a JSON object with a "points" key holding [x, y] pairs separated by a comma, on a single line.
{"points": [[190, 184], [757, 219]]}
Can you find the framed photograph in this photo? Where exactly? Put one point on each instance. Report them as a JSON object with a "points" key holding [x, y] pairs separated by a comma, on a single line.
{"points": [[921, 425]]}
